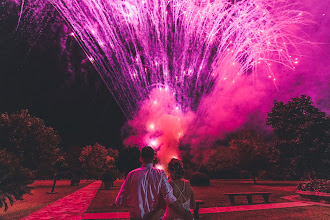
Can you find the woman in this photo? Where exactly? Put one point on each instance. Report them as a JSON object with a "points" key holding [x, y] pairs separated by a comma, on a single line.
{"points": [[181, 189]]}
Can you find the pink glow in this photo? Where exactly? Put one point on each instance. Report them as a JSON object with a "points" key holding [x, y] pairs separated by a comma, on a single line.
{"points": [[160, 167], [221, 70], [153, 143]]}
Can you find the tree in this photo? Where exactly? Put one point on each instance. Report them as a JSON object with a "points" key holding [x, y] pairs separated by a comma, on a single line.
{"points": [[95, 160], [222, 162], [301, 137], [129, 159], [14, 179], [33, 143], [58, 166], [252, 151], [74, 164]]}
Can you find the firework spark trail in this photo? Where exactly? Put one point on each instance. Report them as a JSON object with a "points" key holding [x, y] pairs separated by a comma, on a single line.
{"points": [[163, 58], [139, 45]]}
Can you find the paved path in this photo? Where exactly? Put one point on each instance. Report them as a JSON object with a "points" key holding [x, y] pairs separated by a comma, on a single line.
{"points": [[71, 207], [114, 215], [297, 198]]}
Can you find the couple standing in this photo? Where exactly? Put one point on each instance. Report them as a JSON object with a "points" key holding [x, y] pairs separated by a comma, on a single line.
{"points": [[148, 193]]}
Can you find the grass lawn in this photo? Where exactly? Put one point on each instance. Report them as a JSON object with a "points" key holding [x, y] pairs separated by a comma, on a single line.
{"points": [[40, 198], [296, 213], [104, 199], [213, 196]]}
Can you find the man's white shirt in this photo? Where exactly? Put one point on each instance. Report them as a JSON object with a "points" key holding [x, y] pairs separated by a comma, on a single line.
{"points": [[141, 191]]}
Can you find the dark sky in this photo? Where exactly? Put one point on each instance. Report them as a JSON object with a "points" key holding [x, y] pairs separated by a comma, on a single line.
{"points": [[33, 76]]}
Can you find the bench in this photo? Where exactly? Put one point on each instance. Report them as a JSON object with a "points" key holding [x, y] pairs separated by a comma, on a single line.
{"points": [[248, 196], [196, 210]]}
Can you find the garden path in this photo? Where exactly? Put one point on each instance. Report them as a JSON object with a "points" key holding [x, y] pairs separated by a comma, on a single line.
{"points": [[71, 207]]}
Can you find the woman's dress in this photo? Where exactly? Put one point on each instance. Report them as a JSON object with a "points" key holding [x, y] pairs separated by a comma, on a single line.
{"points": [[170, 213]]}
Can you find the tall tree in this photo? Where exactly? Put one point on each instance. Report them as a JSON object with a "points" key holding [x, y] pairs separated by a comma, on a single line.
{"points": [[35, 144], [222, 162], [74, 164], [95, 160], [301, 137], [252, 151]]}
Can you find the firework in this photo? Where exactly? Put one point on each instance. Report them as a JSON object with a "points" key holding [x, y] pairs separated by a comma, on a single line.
{"points": [[159, 58], [177, 45]]}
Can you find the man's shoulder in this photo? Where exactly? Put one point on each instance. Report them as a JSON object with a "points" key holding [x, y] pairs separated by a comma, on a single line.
{"points": [[159, 171], [135, 170]]}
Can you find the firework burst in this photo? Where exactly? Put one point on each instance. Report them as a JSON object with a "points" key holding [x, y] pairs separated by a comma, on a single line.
{"points": [[181, 46]]}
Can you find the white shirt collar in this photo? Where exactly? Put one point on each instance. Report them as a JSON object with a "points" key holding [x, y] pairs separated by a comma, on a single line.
{"points": [[148, 165]]}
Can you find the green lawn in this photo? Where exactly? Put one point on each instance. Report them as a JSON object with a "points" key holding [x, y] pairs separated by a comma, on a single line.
{"points": [[40, 198]]}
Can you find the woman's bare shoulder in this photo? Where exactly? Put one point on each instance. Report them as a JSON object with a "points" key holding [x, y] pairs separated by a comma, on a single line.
{"points": [[187, 182]]}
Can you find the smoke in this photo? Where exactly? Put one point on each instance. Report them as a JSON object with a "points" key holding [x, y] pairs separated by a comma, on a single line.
{"points": [[242, 103], [160, 123], [237, 100]]}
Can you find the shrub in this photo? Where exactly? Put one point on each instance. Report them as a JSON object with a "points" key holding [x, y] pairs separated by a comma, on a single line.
{"points": [[199, 179], [318, 185], [14, 179]]}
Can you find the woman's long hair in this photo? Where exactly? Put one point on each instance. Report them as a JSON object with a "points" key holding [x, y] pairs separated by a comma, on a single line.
{"points": [[175, 167]]}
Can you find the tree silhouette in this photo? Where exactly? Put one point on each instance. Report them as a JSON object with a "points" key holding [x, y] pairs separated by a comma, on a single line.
{"points": [[301, 137], [34, 144], [14, 179]]}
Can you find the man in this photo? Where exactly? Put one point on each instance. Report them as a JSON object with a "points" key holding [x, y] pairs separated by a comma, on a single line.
{"points": [[145, 187]]}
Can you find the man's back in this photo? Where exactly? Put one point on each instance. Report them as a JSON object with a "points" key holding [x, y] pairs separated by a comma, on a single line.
{"points": [[141, 191]]}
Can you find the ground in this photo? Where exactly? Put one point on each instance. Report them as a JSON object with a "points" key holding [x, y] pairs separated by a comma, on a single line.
{"points": [[101, 206], [40, 198]]}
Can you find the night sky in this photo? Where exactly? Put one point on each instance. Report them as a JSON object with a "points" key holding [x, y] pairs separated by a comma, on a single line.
{"points": [[77, 105]]}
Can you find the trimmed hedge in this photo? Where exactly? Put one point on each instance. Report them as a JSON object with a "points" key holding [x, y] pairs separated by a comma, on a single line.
{"points": [[199, 179]]}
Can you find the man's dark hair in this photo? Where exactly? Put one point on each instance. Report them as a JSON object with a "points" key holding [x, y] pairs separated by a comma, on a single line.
{"points": [[147, 154]]}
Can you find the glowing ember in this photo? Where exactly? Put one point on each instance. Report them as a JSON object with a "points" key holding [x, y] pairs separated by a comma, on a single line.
{"points": [[158, 166], [153, 143]]}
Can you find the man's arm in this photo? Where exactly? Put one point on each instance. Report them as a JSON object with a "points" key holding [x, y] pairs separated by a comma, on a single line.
{"points": [[158, 212], [171, 201], [177, 207], [121, 199]]}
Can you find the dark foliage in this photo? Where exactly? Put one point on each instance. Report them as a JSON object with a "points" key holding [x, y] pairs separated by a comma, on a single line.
{"points": [[95, 160], [252, 152], [14, 179], [222, 163], [317, 185], [74, 164], [199, 179], [34, 144], [108, 178], [301, 138]]}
